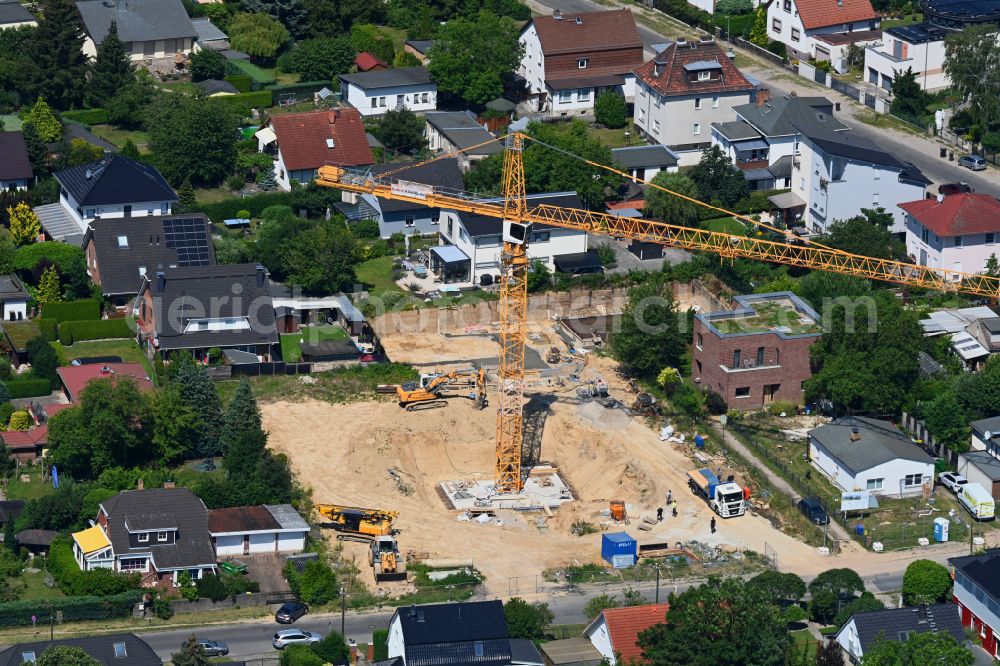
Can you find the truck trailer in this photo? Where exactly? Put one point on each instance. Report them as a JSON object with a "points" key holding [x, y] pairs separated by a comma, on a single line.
{"points": [[726, 499]]}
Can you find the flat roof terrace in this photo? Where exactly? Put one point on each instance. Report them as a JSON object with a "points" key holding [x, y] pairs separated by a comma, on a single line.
{"points": [[781, 312]]}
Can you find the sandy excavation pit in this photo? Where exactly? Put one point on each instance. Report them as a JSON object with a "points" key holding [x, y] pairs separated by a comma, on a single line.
{"points": [[374, 454]]}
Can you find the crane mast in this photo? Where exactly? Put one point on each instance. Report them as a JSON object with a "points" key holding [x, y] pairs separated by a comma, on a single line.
{"points": [[517, 221]]}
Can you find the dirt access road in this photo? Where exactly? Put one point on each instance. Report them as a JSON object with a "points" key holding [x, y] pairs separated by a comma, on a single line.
{"points": [[344, 451]]}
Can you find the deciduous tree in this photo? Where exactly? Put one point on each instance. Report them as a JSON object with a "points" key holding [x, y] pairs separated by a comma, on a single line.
{"points": [[207, 64], [322, 258], [470, 57], [718, 179], [192, 139], [866, 234], [653, 332], [112, 68], [779, 586], [63, 655], [972, 63], [829, 653], [176, 427], [526, 620], [25, 226], [333, 649], [401, 130], [920, 649], [719, 623], [669, 207], [290, 13], [319, 59], [258, 35], [926, 582]]}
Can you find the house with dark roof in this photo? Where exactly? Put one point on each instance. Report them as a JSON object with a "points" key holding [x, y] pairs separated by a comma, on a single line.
{"points": [[14, 15], [866, 630], [472, 633], [151, 29], [198, 308], [977, 595], [300, 143], [462, 134], [377, 91], [15, 168], [986, 435], [106, 649], [157, 533], [683, 90], [645, 162], [958, 232], [13, 298], [615, 631], [859, 453], [764, 139], [216, 88], [570, 59], [209, 36], [471, 244], [246, 530], [402, 216], [120, 252], [839, 173], [112, 187], [795, 23]]}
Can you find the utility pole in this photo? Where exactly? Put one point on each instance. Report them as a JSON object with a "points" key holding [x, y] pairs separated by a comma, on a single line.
{"points": [[343, 610], [970, 539], [657, 583]]}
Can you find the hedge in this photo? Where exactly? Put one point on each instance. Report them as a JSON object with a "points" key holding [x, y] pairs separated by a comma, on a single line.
{"points": [[49, 328], [244, 103], [224, 210], [28, 388], [86, 310], [258, 77], [102, 329], [87, 116], [73, 609], [240, 81], [308, 87]]}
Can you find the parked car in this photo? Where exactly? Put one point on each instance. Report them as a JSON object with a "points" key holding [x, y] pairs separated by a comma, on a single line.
{"points": [[213, 648], [813, 509], [947, 189], [953, 481], [974, 162], [286, 637], [290, 612]]}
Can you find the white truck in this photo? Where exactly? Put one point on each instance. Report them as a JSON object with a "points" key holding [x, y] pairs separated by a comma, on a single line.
{"points": [[726, 499], [978, 501]]}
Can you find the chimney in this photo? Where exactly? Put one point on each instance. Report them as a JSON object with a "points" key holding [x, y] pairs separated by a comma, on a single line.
{"points": [[658, 67], [763, 96], [140, 485], [150, 239], [940, 198], [260, 276], [855, 434], [331, 116], [413, 608], [557, 15], [161, 280], [88, 174], [169, 484]]}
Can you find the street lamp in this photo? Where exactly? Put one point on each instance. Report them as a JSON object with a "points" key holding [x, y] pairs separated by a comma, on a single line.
{"points": [[343, 609]]}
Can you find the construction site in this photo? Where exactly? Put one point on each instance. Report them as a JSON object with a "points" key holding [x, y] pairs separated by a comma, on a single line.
{"points": [[585, 449]]}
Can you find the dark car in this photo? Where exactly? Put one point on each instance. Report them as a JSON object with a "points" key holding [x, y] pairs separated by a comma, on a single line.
{"points": [[812, 509], [961, 187], [290, 612]]}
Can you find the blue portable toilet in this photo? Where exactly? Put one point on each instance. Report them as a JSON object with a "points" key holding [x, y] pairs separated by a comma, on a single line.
{"points": [[940, 529], [619, 549]]}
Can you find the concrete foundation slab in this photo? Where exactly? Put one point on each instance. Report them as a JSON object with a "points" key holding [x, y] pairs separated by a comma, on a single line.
{"points": [[543, 489]]}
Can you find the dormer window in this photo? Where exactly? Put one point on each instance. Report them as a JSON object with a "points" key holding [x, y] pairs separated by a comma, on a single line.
{"points": [[704, 76], [142, 537], [161, 536], [581, 63]]}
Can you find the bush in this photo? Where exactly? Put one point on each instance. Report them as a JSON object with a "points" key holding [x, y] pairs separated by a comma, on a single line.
{"points": [[244, 103], [236, 182], [258, 77], [74, 609], [86, 310], [241, 82], [776, 408], [315, 584], [19, 420], [102, 329], [926, 582], [75, 582], [715, 403], [367, 229], [380, 640], [29, 388], [6, 410], [48, 327], [254, 205], [778, 49], [610, 110], [87, 116], [162, 608]]}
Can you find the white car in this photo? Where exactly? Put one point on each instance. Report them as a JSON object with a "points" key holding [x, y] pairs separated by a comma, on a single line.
{"points": [[285, 637], [952, 481]]}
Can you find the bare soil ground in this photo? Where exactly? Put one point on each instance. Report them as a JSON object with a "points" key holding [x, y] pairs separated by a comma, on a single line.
{"points": [[344, 452]]}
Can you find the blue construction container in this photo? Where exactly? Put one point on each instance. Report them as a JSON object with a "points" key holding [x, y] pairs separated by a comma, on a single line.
{"points": [[619, 550]]}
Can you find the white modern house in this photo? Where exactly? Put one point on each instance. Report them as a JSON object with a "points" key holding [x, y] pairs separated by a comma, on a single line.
{"points": [[570, 59], [475, 243], [377, 91], [151, 29], [986, 436], [246, 530], [835, 175], [858, 453], [796, 23], [957, 232], [766, 136], [683, 90], [833, 47], [918, 47]]}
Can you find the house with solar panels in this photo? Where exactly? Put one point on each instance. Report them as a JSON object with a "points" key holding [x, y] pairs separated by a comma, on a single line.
{"points": [[111, 188], [121, 252]]}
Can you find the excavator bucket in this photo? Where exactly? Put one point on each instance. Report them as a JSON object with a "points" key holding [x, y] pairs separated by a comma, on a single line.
{"points": [[390, 568]]}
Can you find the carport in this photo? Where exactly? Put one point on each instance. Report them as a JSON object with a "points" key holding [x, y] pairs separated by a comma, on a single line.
{"points": [[578, 263]]}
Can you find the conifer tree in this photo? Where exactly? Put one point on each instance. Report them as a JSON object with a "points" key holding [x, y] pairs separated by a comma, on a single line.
{"points": [[112, 68], [60, 66], [198, 392], [44, 121], [49, 287], [186, 199], [129, 149]]}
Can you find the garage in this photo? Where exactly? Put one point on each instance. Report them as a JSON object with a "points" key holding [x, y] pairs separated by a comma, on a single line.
{"points": [[246, 530]]}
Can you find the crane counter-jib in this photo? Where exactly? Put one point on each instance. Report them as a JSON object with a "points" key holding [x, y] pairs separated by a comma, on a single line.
{"points": [[726, 245]]}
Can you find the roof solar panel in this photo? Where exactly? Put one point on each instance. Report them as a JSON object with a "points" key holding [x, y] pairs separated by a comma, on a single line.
{"points": [[189, 237]]}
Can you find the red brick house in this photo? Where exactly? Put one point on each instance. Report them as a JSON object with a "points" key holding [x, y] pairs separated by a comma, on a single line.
{"points": [[570, 59], [758, 353]]}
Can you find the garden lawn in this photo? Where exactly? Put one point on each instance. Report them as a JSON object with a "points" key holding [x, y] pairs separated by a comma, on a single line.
{"points": [[726, 225], [212, 195], [17, 489], [376, 275], [909, 19], [290, 351], [803, 640], [118, 136], [35, 587]]}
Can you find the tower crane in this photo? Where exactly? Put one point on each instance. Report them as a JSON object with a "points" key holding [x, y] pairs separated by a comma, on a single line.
{"points": [[517, 221]]}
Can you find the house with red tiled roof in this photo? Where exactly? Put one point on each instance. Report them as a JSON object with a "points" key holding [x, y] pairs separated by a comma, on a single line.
{"points": [[796, 23], [367, 62], [26, 445], [74, 378], [683, 90], [301, 143], [957, 232], [570, 59], [615, 632]]}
